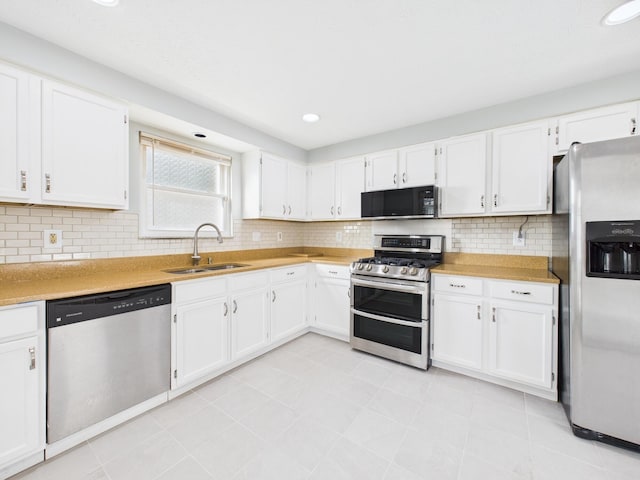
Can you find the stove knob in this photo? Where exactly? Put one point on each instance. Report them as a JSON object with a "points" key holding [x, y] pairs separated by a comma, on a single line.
{"points": [[360, 266], [413, 271], [404, 270], [385, 269], [369, 267]]}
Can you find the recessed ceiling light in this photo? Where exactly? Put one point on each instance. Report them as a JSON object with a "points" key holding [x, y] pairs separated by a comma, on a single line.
{"points": [[107, 3], [199, 135], [622, 14], [310, 117]]}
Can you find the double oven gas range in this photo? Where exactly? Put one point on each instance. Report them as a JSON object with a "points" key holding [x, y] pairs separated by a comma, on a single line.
{"points": [[390, 298]]}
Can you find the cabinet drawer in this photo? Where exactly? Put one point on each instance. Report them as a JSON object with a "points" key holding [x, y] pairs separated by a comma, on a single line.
{"points": [[18, 320], [296, 272], [522, 291], [243, 281], [457, 284], [190, 291], [333, 271]]}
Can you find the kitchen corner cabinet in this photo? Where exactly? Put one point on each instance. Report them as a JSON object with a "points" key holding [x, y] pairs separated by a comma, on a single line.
{"points": [[499, 331], [273, 187], [462, 166], [200, 329], [14, 135], [331, 300], [606, 123], [521, 169], [61, 145], [335, 188], [288, 301], [22, 403], [84, 148], [411, 166], [248, 296]]}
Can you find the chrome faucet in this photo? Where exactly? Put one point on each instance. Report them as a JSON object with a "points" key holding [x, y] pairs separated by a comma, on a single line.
{"points": [[195, 257]]}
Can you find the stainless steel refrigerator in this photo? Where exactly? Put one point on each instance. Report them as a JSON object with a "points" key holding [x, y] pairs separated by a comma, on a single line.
{"points": [[596, 255]]}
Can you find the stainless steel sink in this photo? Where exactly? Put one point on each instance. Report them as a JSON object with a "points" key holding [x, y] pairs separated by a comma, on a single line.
{"points": [[205, 268]]}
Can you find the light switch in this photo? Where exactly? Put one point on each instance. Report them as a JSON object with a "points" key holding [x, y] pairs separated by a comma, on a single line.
{"points": [[52, 238]]}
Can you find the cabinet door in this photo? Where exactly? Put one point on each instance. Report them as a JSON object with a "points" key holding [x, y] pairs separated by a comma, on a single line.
{"points": [[19, 412], [521, 169], [202, 339], [457, 330], [332, 305], [296, 191], [606, 123], [249, 322], [322, 192], [382, 171], [14, 139], [84, 149], [417, 165], [288, 309], [462, 171], [349, 186], [273, 181], [521, 336]]}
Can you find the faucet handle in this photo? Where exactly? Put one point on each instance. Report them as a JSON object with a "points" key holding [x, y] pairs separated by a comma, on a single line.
{"points": [[195, 259]]}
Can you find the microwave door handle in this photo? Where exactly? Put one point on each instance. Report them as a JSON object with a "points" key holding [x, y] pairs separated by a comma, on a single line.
{"points": [[387, 319], [388, 286]]}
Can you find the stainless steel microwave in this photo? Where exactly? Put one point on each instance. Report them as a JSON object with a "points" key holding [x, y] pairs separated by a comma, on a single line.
{"points": [[415, 202]]}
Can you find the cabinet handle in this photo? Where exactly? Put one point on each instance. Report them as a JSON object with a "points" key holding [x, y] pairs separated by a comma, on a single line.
{"points": [[349, 292], [332, 210], [404, 177], [332, 272], [478, 312], [291, 273], [235, 307], [273, 296], [226, 309], [284, 209], [493, 314], [47, 178], [633, 126], [482, 201], [519, 292], [456, 285], [32, 357], [23, 180], [395, 178], [339, 210], [495, 199], [289, 209]]}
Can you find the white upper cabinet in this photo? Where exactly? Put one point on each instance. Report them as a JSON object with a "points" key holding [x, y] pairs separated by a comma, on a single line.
{"points": [[84, 148], [462, 175], [14, 135], [521, 169], [335, 188], [412, 166], [273, 187], [605, 123], [417, 165]]}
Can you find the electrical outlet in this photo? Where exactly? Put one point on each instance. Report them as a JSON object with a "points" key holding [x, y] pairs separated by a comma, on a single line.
{"points": [[52, 238], [338, 237], [279, 236], [518, 239], [256, 236]]}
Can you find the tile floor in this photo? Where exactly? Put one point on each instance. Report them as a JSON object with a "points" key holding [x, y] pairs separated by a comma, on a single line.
{"points": [[315, 409]]}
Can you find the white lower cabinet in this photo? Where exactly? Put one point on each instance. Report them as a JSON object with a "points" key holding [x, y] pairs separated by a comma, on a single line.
{"points": [[249, 321], [22, 402], [331, 303], [500, 331], [288, 301]]}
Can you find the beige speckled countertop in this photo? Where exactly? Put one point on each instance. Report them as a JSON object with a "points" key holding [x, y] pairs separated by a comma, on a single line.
{"points": [[506, 267], [52, 280]]}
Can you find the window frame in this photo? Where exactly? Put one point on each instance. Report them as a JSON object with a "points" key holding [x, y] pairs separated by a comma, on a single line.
{"points": [[146, 140]]}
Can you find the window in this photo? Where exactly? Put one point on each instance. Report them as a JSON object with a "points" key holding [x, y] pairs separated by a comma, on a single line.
{"points": [[184, 186]]}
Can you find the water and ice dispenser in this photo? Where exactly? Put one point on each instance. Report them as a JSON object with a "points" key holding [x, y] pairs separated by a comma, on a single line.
{"points": [[613, 249]]}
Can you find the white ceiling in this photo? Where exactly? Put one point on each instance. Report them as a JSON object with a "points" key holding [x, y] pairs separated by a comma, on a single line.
{"points": [[366, 66]]}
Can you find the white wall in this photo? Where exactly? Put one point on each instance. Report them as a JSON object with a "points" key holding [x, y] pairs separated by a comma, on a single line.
{"points": [[584, 96]]}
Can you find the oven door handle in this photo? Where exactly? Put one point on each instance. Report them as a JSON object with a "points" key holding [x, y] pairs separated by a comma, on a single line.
{"points": [[389, 286], [387, 319]]}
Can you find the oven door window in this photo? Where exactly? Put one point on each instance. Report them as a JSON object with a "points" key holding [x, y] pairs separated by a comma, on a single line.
{"points": [[388, 303], [398, 336]]}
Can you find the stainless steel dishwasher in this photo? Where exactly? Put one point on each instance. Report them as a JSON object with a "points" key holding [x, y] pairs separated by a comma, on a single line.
{"points": [[106, 353]]}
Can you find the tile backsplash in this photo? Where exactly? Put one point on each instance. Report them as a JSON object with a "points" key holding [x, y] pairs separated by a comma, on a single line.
{"points": [[106, 234]]}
